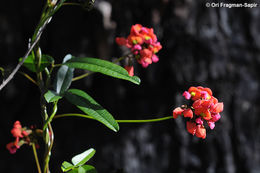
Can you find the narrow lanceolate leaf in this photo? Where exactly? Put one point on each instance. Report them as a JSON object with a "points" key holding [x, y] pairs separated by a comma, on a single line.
{"points": [[102, 66], [64, 77], [51, 96], [29, 63], [90, 107], [82, 158], [66, 166]]}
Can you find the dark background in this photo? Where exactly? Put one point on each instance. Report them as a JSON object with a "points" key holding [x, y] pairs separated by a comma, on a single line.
{"points": [[213, 47]]}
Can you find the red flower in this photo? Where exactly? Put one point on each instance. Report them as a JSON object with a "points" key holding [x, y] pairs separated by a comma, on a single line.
{"points": [[17, 130], [205, 107], [121, 41], [191, 127], [200, 92], [143, 44], [133, 40], [188, 113], [177, 111], [21, 137], [135, 29], [201, 131], [195, 129], [217, 108], [130, 70], [12, 147]]}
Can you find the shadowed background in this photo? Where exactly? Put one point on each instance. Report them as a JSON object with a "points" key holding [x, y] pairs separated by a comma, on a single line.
{"points": [[212, 47]]}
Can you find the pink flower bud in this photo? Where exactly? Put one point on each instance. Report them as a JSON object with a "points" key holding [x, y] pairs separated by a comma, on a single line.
{"points": [[187, 95], [11, 147], [204, 94], [199, 121], [137, 47], [144, 29], [211, 125], [215, 117], [155, 58]]}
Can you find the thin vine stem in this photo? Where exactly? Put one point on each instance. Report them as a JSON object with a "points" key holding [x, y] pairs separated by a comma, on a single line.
{"points": [[82, 76], [48, 153], [71, 3], [52, 115], [22, 73], [119, 121], [28, 77], [36, 158]]}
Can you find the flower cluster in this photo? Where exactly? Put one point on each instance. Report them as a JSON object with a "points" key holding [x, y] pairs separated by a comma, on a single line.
{"points": [[21, 137], [205, 108], [143, 44]]}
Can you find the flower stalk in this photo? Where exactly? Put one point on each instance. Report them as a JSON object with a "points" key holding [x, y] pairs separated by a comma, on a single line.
{"points": [[119, 121], [36, 158]]}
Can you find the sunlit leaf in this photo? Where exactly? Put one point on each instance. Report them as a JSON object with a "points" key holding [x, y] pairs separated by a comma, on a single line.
{"points": [[66, 166], [82, 158], [102, 66], [51, 96], [88, 169], [64, 77], [90, 107]]}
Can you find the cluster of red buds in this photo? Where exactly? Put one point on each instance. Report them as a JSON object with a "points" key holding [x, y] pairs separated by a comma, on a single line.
{"points": [[21, 135], [205, 108], [143, 44]]}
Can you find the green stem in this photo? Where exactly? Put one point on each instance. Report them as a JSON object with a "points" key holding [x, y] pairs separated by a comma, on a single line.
{"points": [[50, 144], [71, 3], [56, 65], [145, 121], [28, 77], [50, 117], [120, 59], [119, 121], [82, 76], [36, 158], [2, 71], [22, 73]]}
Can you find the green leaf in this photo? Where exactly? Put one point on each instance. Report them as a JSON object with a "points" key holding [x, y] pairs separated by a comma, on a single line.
{"points": [[82, 158], [73, 170], [102, 66], [66, 166], [89, 106], [88, 169], [81, 170], [51, 96], [84, 169], [29, 63], [63, 78]]}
